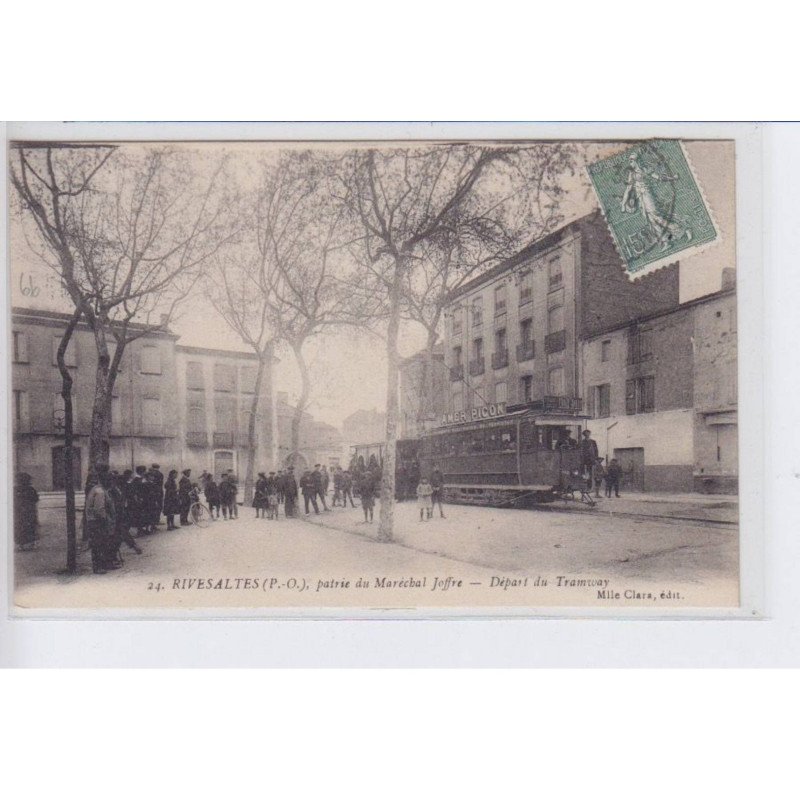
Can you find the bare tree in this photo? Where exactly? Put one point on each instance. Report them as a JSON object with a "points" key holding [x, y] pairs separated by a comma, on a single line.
{"points": [[530, 207], [443, 204], [127, 233], [282, 281]]}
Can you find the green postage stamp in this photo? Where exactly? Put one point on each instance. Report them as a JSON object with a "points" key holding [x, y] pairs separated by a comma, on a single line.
{"points": [[653, 205]]}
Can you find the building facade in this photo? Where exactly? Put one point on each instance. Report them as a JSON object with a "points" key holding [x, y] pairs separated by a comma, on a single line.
{"points": [[216, 390], [662, 396], [171, 405], [364, 426], [716, 459], [423, 398], [512, 335], [319, 442]]}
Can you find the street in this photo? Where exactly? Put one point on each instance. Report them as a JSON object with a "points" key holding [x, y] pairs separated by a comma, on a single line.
{"points": [[498, 556]]}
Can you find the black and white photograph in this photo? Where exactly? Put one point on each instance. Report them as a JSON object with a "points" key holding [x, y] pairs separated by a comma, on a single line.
{"points": [[445, 374]]}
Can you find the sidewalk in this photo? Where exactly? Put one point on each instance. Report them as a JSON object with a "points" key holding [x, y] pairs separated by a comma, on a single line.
{"points": [[720, 508]]}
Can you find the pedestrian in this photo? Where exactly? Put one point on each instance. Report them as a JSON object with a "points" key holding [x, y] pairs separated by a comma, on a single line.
{"points": [[26, 518], [225, 496], [347, 489], [326, 481], [122, 532], [366, 490], [140, 501], [437, 484], [184, 500], [289, 492], [309, 488], [337, 486], [425, 499], [233, 508], [212, 496], [319, 487], [279, 483], [598, 473], [613, 474], [260, 496], [100, 522], [589, 452], [272, 496], [172, 504], [157, 478]]}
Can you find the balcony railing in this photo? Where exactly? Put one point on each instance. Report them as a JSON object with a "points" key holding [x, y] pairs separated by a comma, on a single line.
{"points": [[151, 429], [223, 439], [477, 367], [555, 342], [457, 373], [526, 351], [500, 359], [196, 439]]}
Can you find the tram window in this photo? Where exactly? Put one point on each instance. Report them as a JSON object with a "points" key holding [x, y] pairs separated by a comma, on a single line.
{"points": [[509, 440], [476, 444]]}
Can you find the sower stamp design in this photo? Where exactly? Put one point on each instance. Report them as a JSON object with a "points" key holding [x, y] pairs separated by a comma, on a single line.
{"points": [[653, 205]]}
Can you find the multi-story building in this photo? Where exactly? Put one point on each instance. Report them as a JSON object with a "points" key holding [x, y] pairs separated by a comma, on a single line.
{"points": [[217, 388], [319, 442], [662, 394], [144, 404], [422, 406], [364, 427], [172, 405], [512, 334], [716, 454]]}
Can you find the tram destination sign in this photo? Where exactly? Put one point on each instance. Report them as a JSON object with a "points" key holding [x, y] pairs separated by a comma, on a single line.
{"points": [[475, 414]]}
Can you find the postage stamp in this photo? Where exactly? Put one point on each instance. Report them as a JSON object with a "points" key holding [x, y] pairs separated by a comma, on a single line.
{"points": [[653, 204]]}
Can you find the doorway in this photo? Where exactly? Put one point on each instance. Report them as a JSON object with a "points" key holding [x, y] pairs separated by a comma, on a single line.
{"points": [[631, 461], [59, 485], [223, 462]]}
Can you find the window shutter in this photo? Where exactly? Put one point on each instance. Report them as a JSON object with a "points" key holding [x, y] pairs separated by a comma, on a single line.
{"points": [[630, 397]]}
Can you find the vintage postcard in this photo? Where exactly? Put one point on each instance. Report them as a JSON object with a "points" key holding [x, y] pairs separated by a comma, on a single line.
{"points": [[449, 375]]}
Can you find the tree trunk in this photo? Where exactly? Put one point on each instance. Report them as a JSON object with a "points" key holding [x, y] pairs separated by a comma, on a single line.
{"points": [[386, 526], [69, 486], [426, 388], [302, 402], [252, 432], [100, 432]]}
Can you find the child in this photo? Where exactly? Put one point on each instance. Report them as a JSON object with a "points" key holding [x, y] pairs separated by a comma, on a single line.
{"points": [[425, 498]]}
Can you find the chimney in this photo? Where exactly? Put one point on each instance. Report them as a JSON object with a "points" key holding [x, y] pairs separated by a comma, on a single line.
{"points": [[728, 278]]}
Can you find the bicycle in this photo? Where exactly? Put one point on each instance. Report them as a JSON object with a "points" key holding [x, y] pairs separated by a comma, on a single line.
{"points": [[200, 515]]}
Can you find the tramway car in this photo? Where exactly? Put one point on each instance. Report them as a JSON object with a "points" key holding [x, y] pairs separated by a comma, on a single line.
{"points": [[406, 463], [518, 457]]}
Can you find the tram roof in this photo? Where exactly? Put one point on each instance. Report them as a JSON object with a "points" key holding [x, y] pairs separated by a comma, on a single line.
{"points": [[537, 417]]}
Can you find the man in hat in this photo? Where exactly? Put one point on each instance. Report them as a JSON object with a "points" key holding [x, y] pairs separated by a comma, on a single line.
{"points": [[157, 491], [184, 495], [290, 492], [100, 521], [260, 503], [234, 490], [308, 486], [272, 496], [589, 452], [319, 489]]}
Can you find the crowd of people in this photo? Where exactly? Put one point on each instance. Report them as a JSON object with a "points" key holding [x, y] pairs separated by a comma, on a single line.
{"points": [[123, 507]]}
